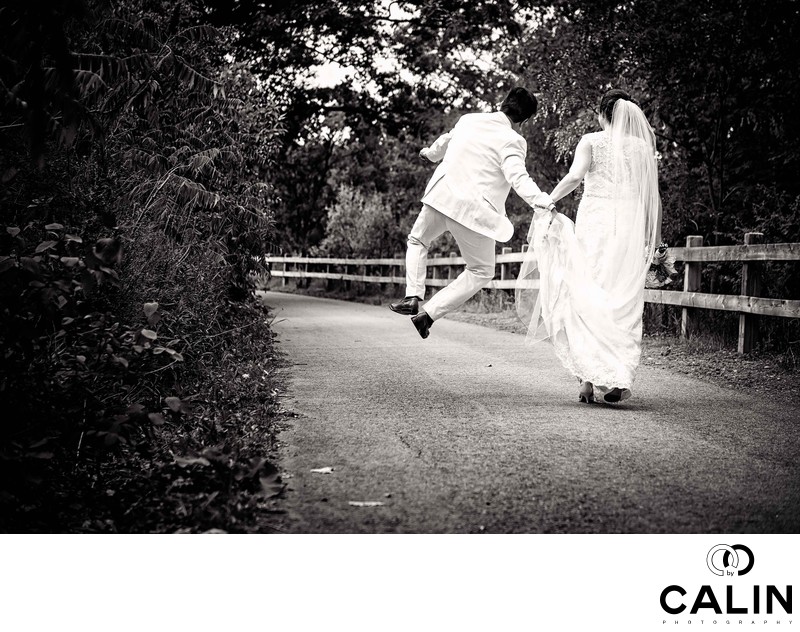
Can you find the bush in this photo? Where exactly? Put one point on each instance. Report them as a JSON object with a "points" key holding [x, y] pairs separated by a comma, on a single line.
{"points": [[360, 224], [127, 263]]}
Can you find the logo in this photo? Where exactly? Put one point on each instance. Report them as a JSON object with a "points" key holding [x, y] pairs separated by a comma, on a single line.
{"points": [[723, 556], [734, 598]]}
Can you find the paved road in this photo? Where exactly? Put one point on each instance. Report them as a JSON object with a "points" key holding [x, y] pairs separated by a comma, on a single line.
{"points": [[471, 431]]}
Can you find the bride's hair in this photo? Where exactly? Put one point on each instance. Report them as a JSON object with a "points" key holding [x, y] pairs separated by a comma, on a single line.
{"points": [[610, 99]]}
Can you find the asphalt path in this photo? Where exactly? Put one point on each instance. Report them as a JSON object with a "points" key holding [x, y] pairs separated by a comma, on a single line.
{"points": [[472, 431]]}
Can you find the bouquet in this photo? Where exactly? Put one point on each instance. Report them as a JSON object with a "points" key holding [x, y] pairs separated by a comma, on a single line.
{"points": [[662, 270]]}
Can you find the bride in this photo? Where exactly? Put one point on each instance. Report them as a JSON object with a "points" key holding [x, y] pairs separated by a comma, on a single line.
{"points": [[581, 285]]}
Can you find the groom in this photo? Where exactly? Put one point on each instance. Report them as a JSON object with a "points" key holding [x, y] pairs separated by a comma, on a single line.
{"points": [[483, 156]]}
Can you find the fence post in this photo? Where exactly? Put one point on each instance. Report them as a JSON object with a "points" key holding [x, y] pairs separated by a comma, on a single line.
{"points": [[450, 269], [751, 286], [523, 249], [504, 266], [691, 283], [283, 279], [395, 269]]}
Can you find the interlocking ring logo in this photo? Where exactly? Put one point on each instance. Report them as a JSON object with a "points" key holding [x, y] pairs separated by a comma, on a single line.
{"points": [[730, 558]]}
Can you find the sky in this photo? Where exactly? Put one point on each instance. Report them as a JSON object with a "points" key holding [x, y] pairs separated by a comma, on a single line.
{"points": [[331, 73]]}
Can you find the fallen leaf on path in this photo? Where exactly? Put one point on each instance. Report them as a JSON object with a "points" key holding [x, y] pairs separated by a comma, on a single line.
{"points": [[365, 503], [184, 461], [323, 470]]}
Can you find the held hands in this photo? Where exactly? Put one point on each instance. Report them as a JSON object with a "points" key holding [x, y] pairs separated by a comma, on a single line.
{"points": [[423, 153], [543, 202], [547, 204]]}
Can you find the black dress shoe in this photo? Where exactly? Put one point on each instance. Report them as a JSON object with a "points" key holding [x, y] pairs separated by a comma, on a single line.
{"points": [[407, 307], [423, 323]]}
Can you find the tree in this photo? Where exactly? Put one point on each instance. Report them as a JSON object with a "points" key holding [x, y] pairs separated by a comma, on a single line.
{"points": [[359, 225], [713, 78], [411, 64]]}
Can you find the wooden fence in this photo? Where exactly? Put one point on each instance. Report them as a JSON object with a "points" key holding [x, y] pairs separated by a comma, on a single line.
{"points": [[749, 304]]}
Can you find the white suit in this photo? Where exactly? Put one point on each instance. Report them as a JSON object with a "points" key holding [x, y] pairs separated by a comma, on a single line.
{"points": [[482, 158]]}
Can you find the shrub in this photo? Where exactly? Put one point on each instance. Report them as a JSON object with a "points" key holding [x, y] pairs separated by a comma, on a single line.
{"points": [[360, 224], [129, 237]]}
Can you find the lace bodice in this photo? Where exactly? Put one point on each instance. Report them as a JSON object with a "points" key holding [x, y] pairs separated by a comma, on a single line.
{"points": [[599, 181]]}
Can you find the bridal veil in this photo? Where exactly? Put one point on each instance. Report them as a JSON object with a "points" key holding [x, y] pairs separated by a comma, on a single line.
{"points": [[577, 296]]}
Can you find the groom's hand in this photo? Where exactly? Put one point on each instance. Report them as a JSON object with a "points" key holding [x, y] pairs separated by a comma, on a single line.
{"points": [[543, 202]]}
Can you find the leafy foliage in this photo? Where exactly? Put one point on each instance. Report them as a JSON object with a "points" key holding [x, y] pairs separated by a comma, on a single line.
{"points": [[725, 129], [130, 236], [360, 225]]}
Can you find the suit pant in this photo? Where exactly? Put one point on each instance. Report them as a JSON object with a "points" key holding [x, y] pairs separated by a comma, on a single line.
{"points": [[476, 249]]}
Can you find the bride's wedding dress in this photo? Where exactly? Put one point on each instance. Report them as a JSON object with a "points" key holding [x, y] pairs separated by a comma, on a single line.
{"points": [[581, 285]]}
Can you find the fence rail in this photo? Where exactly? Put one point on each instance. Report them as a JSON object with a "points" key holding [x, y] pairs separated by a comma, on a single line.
{"points": [[749, 304]]}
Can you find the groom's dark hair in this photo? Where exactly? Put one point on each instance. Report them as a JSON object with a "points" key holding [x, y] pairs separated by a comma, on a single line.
{"points": [[519, 104]]}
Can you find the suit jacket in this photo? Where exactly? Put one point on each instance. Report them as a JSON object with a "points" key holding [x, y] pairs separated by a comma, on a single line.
{"points": [[482, 158]]}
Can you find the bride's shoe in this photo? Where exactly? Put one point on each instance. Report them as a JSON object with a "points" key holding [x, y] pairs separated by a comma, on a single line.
{"points": [[586, 394], [616, 395]]}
